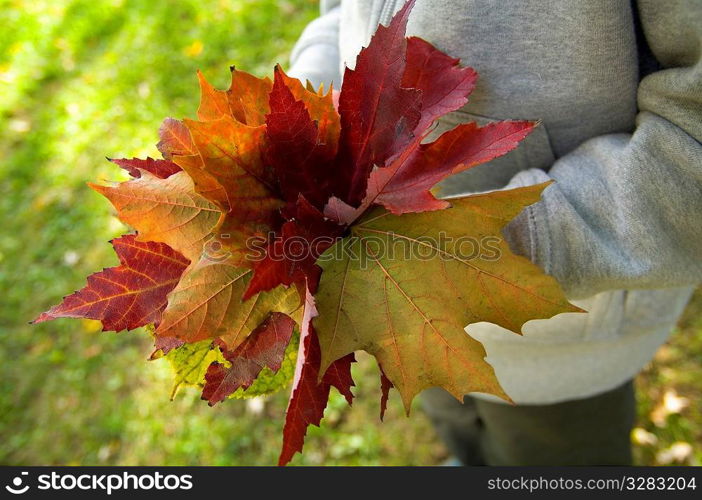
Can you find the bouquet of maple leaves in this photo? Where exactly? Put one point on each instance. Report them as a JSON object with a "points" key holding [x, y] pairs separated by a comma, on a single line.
{"points": [[284, 166]]}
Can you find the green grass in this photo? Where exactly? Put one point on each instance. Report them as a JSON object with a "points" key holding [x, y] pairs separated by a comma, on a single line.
{"points": [[81, 79]]}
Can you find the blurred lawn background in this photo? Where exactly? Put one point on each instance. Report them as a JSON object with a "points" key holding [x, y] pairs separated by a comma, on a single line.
{"points": [[87, 78]]}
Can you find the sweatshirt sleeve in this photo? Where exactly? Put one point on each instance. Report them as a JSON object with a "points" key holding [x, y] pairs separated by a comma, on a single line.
{"points": [[315, 56], [625, 210]]}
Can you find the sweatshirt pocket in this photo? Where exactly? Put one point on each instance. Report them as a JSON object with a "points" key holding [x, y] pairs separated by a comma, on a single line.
{"points": [[605, 317], [533, 152], [654, 309], [622, 313]]}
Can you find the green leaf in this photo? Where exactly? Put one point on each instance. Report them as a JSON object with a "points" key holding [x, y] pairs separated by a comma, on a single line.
{"points": [[408, 285], [189, 363]]}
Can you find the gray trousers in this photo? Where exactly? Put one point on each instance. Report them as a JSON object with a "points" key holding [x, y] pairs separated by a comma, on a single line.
{"points": [[590, 431]]}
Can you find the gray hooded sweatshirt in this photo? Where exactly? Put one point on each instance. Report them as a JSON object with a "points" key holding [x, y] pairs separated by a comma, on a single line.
{"points": [[617, 86]]}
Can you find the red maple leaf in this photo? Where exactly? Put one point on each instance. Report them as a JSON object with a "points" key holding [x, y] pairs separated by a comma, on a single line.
{"points": [[160, 168], [264, 347], [130, 295], [309, 395], [378, 115], [445, 85], [385, 386], [294, 139], [404, 185], [291, 256]]}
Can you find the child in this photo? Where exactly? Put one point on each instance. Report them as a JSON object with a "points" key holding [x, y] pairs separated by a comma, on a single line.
{"points": [[618, 88]]}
